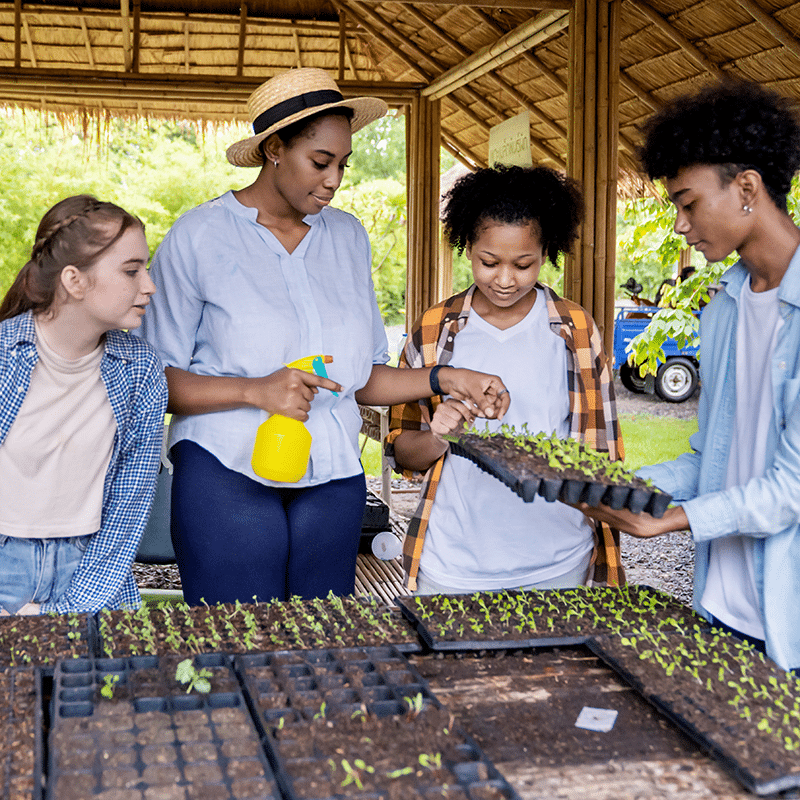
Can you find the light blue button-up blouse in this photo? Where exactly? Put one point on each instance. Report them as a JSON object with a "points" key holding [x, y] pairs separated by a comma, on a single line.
{"points": [[231, 301]]}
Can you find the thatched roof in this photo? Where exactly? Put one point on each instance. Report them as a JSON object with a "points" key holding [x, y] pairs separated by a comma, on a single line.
{"points": [[201, 58]]}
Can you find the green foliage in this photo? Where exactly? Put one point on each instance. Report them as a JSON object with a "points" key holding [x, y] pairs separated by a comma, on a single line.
{"points": [[187, 673]]}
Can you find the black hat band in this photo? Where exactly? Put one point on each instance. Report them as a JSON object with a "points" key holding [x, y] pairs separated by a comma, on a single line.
{"points": [[293, 105]]}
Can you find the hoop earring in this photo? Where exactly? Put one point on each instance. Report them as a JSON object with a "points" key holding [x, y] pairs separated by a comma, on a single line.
{"points": [[747, 209]]}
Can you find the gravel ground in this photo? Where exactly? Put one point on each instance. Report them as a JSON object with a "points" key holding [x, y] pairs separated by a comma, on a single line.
{"points": [[664, 563]]}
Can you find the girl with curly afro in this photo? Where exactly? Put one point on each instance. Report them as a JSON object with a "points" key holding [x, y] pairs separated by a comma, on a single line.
{"points": [[727, 156], [470, 532]]}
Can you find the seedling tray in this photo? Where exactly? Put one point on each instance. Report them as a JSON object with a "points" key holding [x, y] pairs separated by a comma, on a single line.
{"points": [[358, 722], [557, 617], [21, 734], [152, 736], [752, 756], [528, 483], [294, 685], [247, 628], [41, 640]]}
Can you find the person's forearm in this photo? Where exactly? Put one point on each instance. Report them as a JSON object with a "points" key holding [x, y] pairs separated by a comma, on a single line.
{"points": [[417, 450], [203, 394], [389, 386]]}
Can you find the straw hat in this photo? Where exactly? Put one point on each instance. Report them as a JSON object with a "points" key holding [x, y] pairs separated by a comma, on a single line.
{"points": [[292, 96]]}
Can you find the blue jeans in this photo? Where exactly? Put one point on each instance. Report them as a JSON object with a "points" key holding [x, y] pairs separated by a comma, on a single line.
{"points": [[37, 570], [236, 539]]}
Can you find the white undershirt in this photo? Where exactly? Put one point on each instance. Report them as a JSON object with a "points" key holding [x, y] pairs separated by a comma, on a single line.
{"points": [[54, 459], [730, 593], [481, 535]]}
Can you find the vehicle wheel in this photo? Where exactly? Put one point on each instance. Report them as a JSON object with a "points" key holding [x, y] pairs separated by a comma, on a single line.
{"points": [[676, 380], [632, 379]]}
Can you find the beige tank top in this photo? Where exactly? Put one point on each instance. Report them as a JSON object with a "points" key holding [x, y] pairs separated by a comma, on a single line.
{"points": [[54, 459]]}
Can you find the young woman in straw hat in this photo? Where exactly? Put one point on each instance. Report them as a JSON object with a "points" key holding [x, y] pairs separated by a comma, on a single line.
{"points": [[249, 282]]}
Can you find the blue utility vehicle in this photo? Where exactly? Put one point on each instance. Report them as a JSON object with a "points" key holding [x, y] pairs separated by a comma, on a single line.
{"points": [[678, 375]]}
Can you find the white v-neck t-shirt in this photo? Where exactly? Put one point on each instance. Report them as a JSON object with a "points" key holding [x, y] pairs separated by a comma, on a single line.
{"points": [[730, 592], [481, 535]]}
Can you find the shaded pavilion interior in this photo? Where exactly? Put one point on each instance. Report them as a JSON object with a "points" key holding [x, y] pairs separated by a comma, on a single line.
{"points": [[588, 71]]}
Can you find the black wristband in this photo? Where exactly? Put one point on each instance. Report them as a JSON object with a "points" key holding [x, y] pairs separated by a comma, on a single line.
{"points": [[434, 379]]}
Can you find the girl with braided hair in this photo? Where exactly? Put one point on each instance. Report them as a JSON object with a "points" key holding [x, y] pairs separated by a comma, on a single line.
{"points": [[82, 406]]}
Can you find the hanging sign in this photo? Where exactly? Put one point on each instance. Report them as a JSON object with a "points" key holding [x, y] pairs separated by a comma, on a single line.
{"points": [[510, 142]]}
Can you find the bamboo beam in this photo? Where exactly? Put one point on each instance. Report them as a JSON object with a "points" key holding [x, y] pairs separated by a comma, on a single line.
{"points": [[522, 38], [593, 155], [88, 42], [186, 51], [362, 14], [769, 23], [242, 38], [643, 95], [497, 79], [17, 33], [29, 42], [423, 138], [462, 152], [533, 5], [137, 30], [351, 62], [667, 28], [342, 43], [126, 34], [296, 41]]}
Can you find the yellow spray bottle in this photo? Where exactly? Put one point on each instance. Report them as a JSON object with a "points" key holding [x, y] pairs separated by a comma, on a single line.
{"points": [[283, 444]]}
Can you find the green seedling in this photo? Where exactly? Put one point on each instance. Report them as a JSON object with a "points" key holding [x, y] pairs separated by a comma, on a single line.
{"points": [[109, 682], [186, 672]]}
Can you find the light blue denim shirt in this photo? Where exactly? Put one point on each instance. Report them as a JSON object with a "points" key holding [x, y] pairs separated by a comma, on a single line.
{"points": [[766, 508], [231, 301]]}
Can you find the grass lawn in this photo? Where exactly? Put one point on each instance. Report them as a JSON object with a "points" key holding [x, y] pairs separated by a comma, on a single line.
{"points": [[648, 440]]}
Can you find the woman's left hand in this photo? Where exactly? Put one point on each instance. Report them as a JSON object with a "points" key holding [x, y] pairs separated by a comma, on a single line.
{"points": [[487, 394]]}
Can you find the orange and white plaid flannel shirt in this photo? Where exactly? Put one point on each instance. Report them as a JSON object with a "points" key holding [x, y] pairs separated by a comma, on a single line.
{"points": [[593, 416]]}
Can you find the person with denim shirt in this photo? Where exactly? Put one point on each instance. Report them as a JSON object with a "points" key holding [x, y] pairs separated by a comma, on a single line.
{"points": [[727, 156], [82, 406]]}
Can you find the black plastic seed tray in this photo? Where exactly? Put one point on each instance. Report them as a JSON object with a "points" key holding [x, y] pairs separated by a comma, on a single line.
{"points": [[593, 493], [330, 717], [152, 736], [21, 734], [294, 685], [745, 774], [563, 617]]}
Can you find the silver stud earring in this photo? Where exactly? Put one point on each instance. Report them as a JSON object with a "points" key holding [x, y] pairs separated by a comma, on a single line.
{"points": [[747, 209], [275, 163]]}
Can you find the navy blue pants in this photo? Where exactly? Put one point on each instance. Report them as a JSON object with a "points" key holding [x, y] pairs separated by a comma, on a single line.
{"points": [[236, 539]]}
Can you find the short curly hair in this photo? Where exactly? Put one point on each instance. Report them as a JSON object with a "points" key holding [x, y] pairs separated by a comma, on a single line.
{"points": [[736, 125], [516, 196]]}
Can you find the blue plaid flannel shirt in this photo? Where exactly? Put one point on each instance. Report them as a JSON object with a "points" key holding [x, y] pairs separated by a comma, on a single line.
{"points": [[137, 390]]}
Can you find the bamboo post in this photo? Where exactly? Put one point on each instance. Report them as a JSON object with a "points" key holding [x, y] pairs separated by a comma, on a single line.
{"points": [[342, 42], [423, 283], [17, 34], [589, 275]]}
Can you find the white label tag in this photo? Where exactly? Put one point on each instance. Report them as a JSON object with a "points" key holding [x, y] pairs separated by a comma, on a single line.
{"points": [[596, 719]]}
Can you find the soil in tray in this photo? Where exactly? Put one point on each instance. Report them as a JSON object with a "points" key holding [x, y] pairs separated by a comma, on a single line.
{"points": [[18, 732], [516, 616], [322, 622], [521, 706], [398, 757], [152, 740], [42, 640], [734, 702]]}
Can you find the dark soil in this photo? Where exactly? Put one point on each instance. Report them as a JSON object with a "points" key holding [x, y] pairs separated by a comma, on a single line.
{"points": [[41, 640], [343, 622], [397, 757], [137, 745], [478, 620], [521, 706], [738, 705], [20, 724]]}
